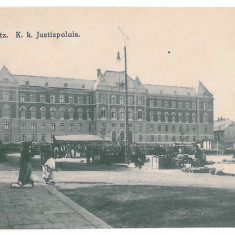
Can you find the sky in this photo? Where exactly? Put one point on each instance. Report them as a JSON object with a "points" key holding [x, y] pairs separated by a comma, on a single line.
{"points": [[200, 41]]}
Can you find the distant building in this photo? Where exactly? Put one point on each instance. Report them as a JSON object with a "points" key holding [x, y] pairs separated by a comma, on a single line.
{"points": [[224, 132], [35, 108]]}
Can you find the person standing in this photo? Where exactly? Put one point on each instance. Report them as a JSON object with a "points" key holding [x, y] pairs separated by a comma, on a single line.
{"points": [[25, 174]]}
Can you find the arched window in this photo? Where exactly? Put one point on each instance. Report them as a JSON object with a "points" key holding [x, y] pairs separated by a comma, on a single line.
{"points": [[187, 117], [140, 114], [33, 112], [180, 117], [80, 114], [62, 112], [130, 100], [121, 114], [52, 112], [103, 99], [121, 100], [88, 114], [113, 99], [194, 117], [6, 111], [43, 113], [130, 113], [71, 114], [159, 116], [205, 118], [113, 113], [166, 117], [173, 116], [5, 96], [102, 113], [22, 112], [122, 135], [151, 116], [61, 99]]}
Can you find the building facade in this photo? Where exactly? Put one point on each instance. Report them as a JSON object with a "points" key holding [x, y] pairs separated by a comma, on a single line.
{"points": [[35, 108]]}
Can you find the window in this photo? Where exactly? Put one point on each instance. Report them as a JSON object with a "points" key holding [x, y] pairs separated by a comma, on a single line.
{"points": [[43, 126], [79, 126], [166, 117], [187, 117], [32, 97], [80, 100], [62, 112], [166, 104], [130, 100], [103, 99], [52, 99], [151, 103], [186, 105], [140, 114], [194, 138], [113, 124], [173, 128], [43, 113], [52, 138], [187, 129], [71, 126], [22, 97], [80, 114], [180, 105], [5, 96], [43, 138], [89, 127], [53, 126], [194, 129], [33, 137], [6, 111], [103, 113], [130, 113], [151, 128], [33, 126], [166, 137], [205, 118], [114, 113], [180, 117], [173, 116], [113, 99], [194, 117], [159, 138], [33, 112], [173, 138], [187, 138], [139, 101], [159, 116], [121, 114], [173, 104], [140, 127], [88, 114], [140, 138], [166, 128], [151, 116], [205, 128], [121, 100], [71, 100], [23, 137], [6, 126], [159, 127], [61, 99], [6, 137], [71, 114], [52, 111], [205, 106], [42, 98], [193, 105], [122, 124], [22, 112], [62, 126], [152, 138], [23, 126], [159, 103]]}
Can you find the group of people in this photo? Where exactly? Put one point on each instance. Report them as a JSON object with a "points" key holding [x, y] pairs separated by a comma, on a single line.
{"points": [[25, 178]]}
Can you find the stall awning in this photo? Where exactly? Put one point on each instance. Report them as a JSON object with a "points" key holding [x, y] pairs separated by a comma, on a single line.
{"points": [[80, 138]]}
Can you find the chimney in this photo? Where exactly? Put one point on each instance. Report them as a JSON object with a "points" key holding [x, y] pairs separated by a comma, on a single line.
{"points": [[99, 73]]}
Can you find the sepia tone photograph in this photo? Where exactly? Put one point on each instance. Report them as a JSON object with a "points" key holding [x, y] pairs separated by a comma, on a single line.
{"points": [[117, 117]]}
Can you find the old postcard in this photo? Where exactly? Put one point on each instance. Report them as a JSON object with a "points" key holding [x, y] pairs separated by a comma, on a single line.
{"points": [[117, 117]]}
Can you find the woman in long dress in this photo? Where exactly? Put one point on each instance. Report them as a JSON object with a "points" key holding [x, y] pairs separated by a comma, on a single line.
{"points": [[25, 174]]}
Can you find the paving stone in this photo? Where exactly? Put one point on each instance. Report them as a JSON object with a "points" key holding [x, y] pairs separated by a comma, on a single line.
{"points": [[30, 226], [54, 226]]}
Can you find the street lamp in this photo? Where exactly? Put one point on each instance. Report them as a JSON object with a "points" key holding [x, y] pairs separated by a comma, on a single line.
{"points": [[125, 39]]}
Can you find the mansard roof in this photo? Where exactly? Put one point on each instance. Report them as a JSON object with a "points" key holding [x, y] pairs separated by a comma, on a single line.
{"points": [[59, 82], [114, 79], [170, 90]]}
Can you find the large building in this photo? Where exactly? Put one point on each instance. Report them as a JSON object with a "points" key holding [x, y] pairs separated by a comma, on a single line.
{"points": [[35, 108]]}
